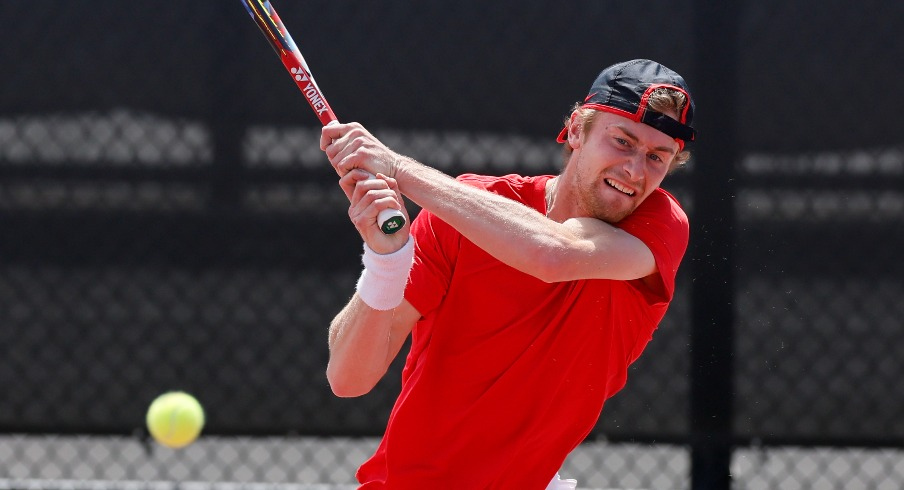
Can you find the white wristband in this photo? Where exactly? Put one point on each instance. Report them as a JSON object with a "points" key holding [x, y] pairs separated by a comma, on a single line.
{"points": [[383, 280]]}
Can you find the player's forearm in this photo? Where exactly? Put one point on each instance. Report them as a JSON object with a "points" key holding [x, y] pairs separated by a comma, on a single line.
{"points": [[360, 348], [515, 234]]}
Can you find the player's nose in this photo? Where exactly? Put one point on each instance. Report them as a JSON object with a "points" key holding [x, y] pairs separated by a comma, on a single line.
{"points": [[633, 166]]}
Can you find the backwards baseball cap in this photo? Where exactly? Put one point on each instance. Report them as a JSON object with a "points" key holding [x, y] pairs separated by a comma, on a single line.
{"points": [[624, 89]]}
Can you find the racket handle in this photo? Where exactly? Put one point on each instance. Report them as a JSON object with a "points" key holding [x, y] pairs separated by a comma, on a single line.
{"points": [[389, 220]]}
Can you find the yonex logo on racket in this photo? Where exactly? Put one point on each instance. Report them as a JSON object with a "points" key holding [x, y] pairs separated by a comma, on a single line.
{"points": [[299, 75], [310, 91]]}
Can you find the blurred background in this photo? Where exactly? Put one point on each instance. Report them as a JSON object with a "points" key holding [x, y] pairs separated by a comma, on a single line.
{"points": [[167, 221]]}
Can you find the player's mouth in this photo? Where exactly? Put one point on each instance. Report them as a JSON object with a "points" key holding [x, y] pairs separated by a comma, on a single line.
{"points": [[620, 188]]}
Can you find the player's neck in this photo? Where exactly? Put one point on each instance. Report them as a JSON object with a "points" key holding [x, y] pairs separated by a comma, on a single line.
{"points": [[552, 198]]}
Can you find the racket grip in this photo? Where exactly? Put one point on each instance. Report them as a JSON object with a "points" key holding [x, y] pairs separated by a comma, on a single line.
{"points": [[389, 220]]}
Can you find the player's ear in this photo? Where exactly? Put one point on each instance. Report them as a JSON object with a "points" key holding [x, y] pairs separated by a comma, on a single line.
{"points": [[575, 129]]}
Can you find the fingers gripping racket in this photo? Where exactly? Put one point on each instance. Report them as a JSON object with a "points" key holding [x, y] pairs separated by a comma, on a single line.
{"points": [[266, 18]]}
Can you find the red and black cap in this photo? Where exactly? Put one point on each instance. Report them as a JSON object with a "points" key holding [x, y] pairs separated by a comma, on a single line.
{"points": [[624, 89]]}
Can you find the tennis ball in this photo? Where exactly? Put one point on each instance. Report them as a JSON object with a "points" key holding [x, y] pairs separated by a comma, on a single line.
{"points": [[175, 419]]}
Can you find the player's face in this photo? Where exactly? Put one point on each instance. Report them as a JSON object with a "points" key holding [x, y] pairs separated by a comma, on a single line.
{"points": [[617, 164]]}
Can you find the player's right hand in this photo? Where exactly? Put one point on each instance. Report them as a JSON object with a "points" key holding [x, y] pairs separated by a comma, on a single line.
{"points": [[367, 197]]}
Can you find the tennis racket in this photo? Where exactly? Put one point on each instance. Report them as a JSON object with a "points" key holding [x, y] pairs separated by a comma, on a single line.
{"points": [[268, 21]]}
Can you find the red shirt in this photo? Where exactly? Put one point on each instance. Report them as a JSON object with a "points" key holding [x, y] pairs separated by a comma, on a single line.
{"points": [[506, 373]]}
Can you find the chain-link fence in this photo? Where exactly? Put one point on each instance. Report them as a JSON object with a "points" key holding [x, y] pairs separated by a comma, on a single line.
{"points": [[167, 221]]}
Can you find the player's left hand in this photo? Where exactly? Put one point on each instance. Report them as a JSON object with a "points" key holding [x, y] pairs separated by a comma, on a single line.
{"points": [[350, 146]]}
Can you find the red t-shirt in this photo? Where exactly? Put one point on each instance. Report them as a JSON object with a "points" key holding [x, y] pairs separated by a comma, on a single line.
{"points": [[506, 373]]}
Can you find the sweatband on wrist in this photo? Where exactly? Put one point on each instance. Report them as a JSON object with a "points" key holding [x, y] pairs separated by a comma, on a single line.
{"points": [[383, 280]]}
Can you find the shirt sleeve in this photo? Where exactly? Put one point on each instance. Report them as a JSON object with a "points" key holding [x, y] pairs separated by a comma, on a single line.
{"points": [[436, 246], [663, 226]]}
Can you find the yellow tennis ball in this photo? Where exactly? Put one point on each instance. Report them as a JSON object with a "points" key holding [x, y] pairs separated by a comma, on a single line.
{"points": [[175, 419]]}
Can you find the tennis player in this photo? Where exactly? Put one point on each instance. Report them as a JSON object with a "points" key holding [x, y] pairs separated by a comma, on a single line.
{"points": [[526, 297]]}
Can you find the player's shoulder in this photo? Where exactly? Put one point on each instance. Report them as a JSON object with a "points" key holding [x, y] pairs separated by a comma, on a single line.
{"points": [[505, 184], [661, 201]]}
